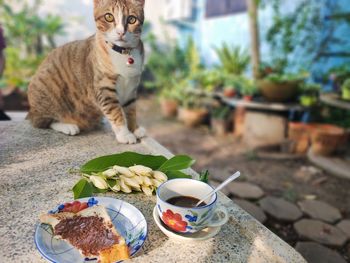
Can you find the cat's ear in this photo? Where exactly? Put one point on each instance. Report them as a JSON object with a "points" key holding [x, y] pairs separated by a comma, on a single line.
{"points": [[142, 2], [97, 2]]}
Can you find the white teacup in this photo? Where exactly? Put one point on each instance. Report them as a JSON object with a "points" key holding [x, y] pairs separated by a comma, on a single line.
{"points": [[189, 219]]}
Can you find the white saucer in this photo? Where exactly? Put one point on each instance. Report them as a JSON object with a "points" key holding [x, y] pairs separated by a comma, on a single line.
{"points": [[202, 235]]}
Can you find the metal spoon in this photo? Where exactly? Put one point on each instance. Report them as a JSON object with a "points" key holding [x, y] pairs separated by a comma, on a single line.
{"points": [[222, 185]]}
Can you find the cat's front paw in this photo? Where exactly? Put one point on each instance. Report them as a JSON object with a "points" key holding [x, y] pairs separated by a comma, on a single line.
{"points": [[140, 132], [124, 136], [66, 128]]}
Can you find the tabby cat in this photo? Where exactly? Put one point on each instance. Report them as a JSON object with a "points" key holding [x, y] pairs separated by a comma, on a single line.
{"points": [[80, 82]]}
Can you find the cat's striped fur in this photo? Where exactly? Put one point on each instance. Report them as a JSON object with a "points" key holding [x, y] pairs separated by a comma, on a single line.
{"points": [[77, 83]]}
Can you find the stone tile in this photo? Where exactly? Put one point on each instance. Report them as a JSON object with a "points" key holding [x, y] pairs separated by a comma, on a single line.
{"points": [[215, 184], [344, 225], [320, 232], [245, 190], [316, 253], [320, 210], [280, 209], [252, 209], [219, 177]]}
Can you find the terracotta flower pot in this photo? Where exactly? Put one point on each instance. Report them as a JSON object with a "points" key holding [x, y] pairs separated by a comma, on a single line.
{"points": [[192, 117], [326, 139], [229, 93], [248, 97], [300, 134], [278, 92], [169, 107]]}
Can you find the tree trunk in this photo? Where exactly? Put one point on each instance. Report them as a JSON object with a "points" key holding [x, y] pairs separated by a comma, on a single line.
{"points": [[254, 36]]}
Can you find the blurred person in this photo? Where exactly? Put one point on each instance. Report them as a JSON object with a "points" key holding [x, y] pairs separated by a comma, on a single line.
{"points": [[3, 116]]}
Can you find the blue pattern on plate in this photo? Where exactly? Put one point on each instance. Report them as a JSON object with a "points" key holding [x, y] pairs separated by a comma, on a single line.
{"points": [[127, 219]]}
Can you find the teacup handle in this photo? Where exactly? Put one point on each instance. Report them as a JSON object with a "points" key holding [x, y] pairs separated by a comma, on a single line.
{"points": [[219, 218]]}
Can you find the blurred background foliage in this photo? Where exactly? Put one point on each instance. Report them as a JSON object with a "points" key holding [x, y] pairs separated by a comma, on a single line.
{"points": [[29, 38], [298, 38]]}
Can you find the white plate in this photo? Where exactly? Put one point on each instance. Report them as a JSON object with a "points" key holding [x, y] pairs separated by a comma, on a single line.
{"points": [[127, 219], [202, 235]]}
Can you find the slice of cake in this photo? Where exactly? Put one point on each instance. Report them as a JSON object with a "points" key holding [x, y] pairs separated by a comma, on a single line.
{"points": [[91, 231]]}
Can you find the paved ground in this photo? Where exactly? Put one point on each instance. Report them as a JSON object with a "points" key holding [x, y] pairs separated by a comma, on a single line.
{"points": [[293, 180], [224, 155]]}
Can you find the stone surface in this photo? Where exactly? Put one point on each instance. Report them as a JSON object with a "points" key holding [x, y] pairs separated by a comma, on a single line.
{"points": [[245, 190], [320, 232], [215, 184], [320, 210], [306, 173], [280, 209], [316, 253], [344, 225], [34, 179], [252, 209]]}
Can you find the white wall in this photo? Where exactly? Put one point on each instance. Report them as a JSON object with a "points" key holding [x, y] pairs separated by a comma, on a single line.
{"points": [[78, 17]]}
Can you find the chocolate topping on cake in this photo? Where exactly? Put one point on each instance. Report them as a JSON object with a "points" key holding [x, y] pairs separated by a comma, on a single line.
{"points": [[89, 234]]}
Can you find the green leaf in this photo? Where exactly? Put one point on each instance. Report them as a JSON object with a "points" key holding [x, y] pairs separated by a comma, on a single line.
{"points": [[178, 162], [111, 183], [99, 191], [204, 176], [177, 174], [83, 189], [125, 159]]}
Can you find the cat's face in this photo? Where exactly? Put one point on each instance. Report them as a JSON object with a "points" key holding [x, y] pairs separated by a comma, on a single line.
{"points": [[120, 21]]}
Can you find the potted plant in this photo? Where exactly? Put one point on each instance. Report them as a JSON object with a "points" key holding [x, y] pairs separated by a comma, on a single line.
{"points": [[230, 86], [280, 87], [169, 102], [309, 94], [248, 88], [218, 120], [193, 111], [207, 80], [233, 60], [346, 90]]}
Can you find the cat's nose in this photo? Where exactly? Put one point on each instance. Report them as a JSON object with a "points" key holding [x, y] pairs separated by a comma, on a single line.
{"points": [[121, 32]]}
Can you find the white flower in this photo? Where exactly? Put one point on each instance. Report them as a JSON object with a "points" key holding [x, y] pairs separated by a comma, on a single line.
{"points": [[125, 188], [138, 179], [123, 171], [156, 183], [110, 173], [141, 170], [148, 190], [160, 176], [132, 182], [99, 182], [147, 181], [116, 188]]}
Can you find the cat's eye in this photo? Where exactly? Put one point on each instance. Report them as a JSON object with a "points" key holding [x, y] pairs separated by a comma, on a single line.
{"points": [[109, 17], [132, 20]]}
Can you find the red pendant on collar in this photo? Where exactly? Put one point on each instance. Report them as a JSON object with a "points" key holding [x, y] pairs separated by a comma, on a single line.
{"points": [[131, 61]]}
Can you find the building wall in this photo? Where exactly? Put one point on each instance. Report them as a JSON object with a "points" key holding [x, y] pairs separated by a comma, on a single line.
{"points": [[234, 29], [207, 32]]}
